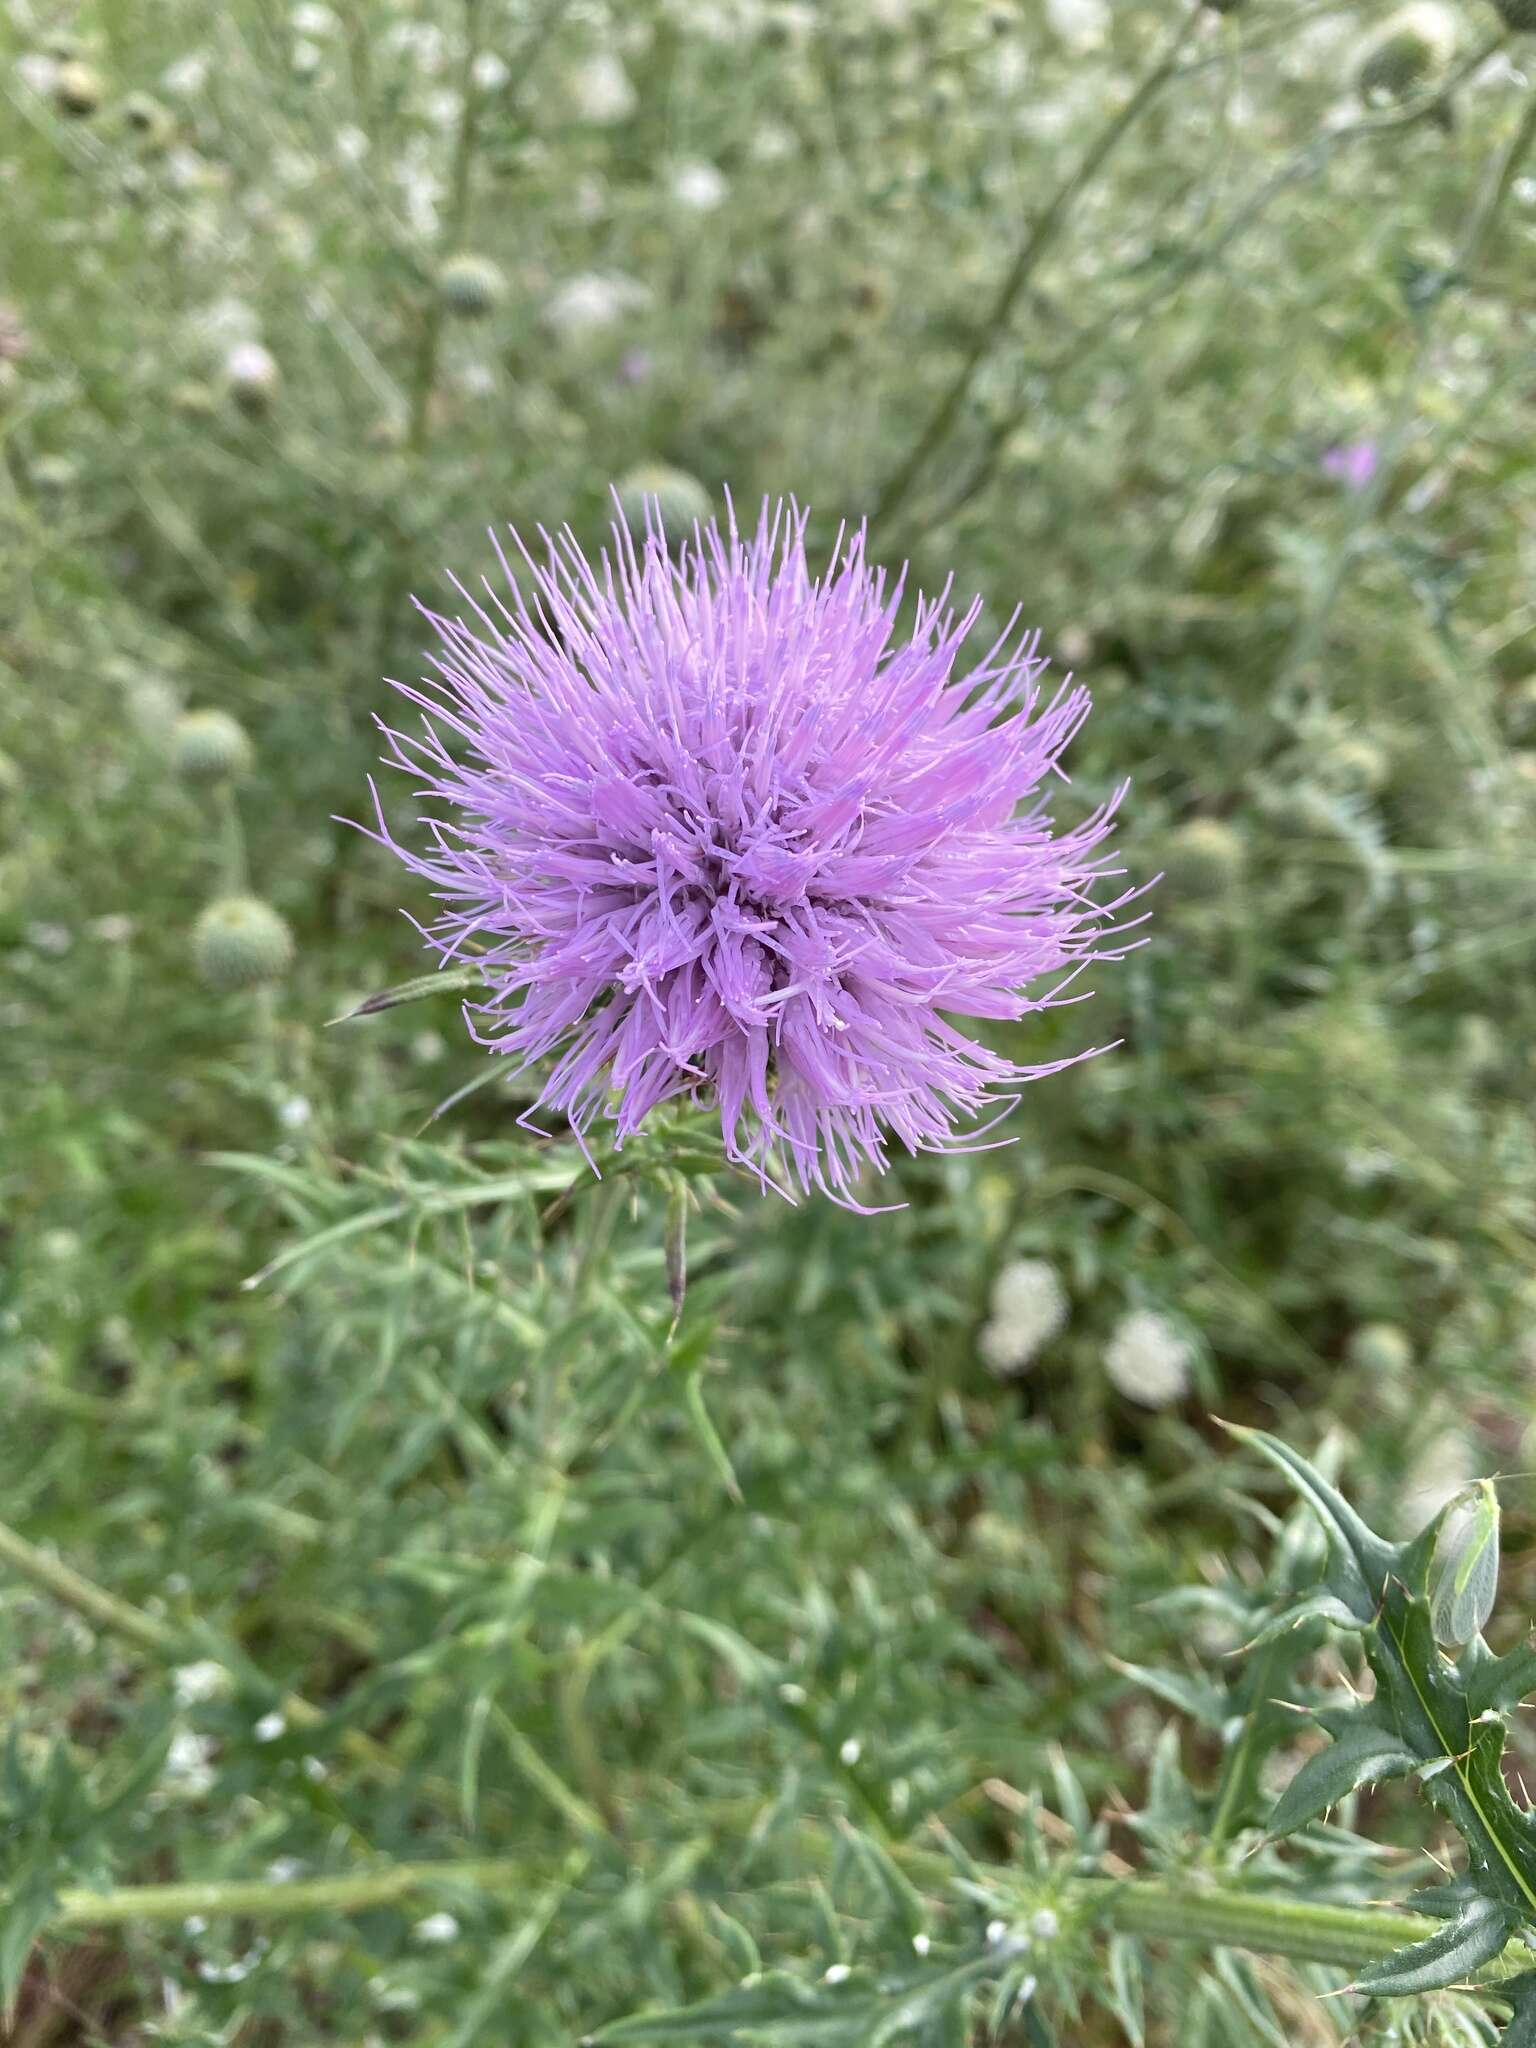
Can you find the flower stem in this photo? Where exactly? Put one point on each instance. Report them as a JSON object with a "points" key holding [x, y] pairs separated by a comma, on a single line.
{"points": [[263, 1899], [1037, 241], [1348, 1936], [455, 221]]}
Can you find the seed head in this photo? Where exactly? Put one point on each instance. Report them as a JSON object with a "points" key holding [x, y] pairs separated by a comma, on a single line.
{"points": [[209, 746], [1028, 1308], [1147, 1359], [241, 943]]}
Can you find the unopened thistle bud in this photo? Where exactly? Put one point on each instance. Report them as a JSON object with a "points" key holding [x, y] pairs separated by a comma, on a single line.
{"points": [[680, 499], [1380, 1349], [252, 375], [77, 89], [148, 119], [209, 746], [1204, 857], [1415, 43], [239, 943], [471, 286]]}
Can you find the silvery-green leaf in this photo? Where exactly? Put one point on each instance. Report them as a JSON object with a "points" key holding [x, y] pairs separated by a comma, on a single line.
{"points": [[1450, 1955], [1361, 1755]]}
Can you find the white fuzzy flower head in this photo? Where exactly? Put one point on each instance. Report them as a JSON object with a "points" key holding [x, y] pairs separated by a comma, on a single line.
{"points": [[698, 186], [1081, 24], [194, 1683], [1147, 1359], [1029, 1307], [587, 305], [437, 1928], [189, 1763], [601, 91]]}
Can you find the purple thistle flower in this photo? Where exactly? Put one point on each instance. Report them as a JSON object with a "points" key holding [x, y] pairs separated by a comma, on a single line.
{"points": [[1351, 463], [724, 838]]}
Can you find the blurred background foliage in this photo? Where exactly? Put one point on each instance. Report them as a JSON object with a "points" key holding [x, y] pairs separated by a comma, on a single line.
{"points": [[736, 1636]]}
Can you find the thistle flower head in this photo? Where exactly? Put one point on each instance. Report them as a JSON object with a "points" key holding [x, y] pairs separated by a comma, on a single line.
{"points": [[721, 835]]}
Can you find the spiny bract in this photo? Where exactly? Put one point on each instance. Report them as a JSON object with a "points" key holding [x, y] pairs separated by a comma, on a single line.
{"points": [[717, 833]]}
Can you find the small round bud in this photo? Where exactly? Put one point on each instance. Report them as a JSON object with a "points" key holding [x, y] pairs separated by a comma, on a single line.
{"points": [[1204, 857], [251, 372], [241, 943], [148, 119], [680, 499], [471, 286], [209, 746], [1380, 1349], [77, 89], [1520, 15], [1415, 43]]}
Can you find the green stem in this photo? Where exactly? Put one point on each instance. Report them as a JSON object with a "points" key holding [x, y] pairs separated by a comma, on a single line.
{"points": [[455, 221], [1039, 239], [261, 1899], [1349, 1937], [1345, 1937], [53, 1576]]}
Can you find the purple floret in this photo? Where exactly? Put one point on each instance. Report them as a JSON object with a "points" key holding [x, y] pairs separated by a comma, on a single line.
{"points": [[720, 836]]}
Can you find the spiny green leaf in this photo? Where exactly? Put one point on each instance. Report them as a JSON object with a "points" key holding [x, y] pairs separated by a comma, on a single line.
{"points": [[1521, 1993], [1498, 1683], [1364, 1561], [1364, 1755], [1317, 1606], [1198, 1697], [1451, 1954]]}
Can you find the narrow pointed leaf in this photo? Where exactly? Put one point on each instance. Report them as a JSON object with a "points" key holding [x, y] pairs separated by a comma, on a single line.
{"points": [[1363, 1559], [443, 981], [1363, 1755]]}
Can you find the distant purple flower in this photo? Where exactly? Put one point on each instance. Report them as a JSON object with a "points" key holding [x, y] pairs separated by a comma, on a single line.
{"points": [[1351, 463], [723, 837]]}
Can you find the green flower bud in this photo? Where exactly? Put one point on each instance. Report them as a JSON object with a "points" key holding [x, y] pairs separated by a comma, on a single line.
{"points": [[471, 286], [77, 89], [209, 746], [1520, 15], [1381, 1350], [1415, 43], [680, 498], [253, 376], [1203, 858], [241, 943]]}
